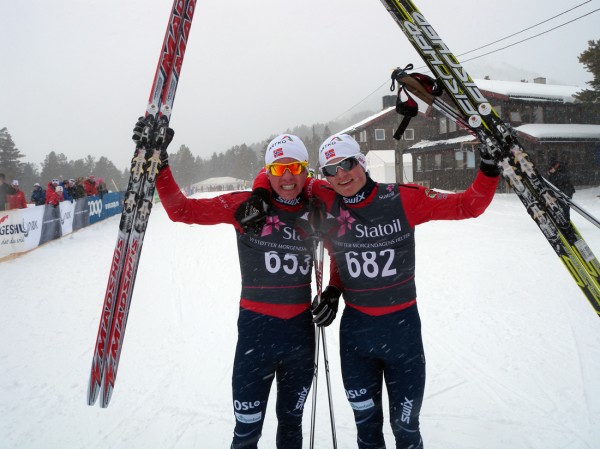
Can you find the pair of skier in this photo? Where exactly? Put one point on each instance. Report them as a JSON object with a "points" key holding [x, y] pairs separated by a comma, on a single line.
{"points": [[372, 242]]}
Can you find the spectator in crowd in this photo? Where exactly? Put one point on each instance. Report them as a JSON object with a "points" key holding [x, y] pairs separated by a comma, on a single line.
{"points": [[60, 193], [5, 189], [72, 189], [560, 178], [54, 193], [67, 190], [16, 200], [101, 187], [90, 186], [79, 189], [38, 196]]}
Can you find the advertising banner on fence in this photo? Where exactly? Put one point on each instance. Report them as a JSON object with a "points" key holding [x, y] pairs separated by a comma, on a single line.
{"points": [[109, 205], [20, 230], [24, 229]]}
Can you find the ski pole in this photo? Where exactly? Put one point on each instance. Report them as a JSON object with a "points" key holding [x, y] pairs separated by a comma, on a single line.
{"points": [[331, 417], [313, 412], [585, 214], [318, 250]]}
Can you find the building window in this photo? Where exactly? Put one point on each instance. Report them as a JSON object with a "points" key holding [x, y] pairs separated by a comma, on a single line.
{"points": [[419, 163], [409, 134], [515, 116], [437, 161], [451, 126], [380, 134], [362, 136], [470, 158], [460, 159], [538, 115], [443, 125]]}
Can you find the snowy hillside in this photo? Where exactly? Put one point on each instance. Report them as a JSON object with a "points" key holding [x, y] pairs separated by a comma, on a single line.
{"points": [[513, 347]]}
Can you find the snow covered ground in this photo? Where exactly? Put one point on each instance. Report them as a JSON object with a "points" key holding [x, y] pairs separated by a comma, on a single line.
{"points": [[512, 345]]}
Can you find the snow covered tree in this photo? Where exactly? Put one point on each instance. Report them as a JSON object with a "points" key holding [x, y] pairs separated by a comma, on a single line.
{"points": [[591, 60], [9, 156]]}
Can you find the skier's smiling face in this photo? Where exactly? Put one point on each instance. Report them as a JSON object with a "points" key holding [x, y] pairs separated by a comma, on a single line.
{"points": [[347, 182], [288, 186]]}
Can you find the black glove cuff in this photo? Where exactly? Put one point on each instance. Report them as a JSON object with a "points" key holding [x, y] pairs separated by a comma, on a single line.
{"points": [[489, 168], [331, 291], [262, 193]]}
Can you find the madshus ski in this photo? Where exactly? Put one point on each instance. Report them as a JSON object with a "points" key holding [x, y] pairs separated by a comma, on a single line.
{"points": [[137, 206], [476, 114]]}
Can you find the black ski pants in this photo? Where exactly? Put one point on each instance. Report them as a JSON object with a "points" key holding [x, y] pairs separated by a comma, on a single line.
{"points": [[271, 348], [374, 348]]}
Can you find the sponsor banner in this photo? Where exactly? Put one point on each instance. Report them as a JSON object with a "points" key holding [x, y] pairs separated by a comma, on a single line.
{"points": [[81, 214], [51, 225], [100, 208], [23, 229], [20, 230], [67, 208]]}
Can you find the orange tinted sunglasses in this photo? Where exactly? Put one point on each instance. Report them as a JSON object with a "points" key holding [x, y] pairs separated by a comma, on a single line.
{"points": [[295, 168]]}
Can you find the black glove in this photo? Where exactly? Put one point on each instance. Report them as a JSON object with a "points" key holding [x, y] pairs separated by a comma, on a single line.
{"points": [[252, 213], [165, 134], [325, 311], [138, 129], [488, 165]]}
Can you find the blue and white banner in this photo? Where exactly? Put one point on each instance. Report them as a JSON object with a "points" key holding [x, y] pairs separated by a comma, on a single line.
{"points": [[107, 206], [24, 229]]}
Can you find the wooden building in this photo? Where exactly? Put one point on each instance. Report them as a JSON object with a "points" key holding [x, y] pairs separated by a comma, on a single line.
{"points": [[551, 126]]}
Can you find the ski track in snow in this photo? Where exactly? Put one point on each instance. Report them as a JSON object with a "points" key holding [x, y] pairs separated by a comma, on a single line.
{"points": [[512, 346]]}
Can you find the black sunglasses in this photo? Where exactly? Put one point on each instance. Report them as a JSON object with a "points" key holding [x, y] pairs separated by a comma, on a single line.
{"points": [[346, 164]]}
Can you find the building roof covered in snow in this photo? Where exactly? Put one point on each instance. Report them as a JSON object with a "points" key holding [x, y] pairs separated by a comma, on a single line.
{"points": [[559, 132], [528, 91]]}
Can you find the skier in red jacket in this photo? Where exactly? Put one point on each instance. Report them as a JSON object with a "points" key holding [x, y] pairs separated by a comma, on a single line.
{"points": [[276, 338], [372, 236]]}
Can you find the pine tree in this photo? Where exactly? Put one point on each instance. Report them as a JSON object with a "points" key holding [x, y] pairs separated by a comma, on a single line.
{"points": [[183, 166], [106, 170], [29, 176], [54, 166], [9, 156], [590, 58]]}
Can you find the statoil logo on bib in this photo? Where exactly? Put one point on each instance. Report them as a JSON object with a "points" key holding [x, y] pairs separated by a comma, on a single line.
{"points": [[379, 230]]}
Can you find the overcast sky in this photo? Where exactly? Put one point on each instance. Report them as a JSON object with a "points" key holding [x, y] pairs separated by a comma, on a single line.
{"points": [[75, 74]]}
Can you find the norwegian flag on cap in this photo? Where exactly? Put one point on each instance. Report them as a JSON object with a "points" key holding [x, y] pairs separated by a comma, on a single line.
{"points": [[278, 152], [329, 154]]}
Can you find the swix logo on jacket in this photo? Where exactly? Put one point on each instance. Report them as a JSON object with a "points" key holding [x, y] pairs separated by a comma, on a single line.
{"points": [[283, 275], [375, 241]]}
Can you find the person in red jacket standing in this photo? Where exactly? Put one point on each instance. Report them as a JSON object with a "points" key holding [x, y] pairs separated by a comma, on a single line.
{"points": [[54, 193], [276, 337], [90, 186], [16, 200], [372, 238]]}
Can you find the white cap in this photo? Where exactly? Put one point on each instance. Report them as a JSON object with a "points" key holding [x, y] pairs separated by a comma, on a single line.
{"points": [[37, 184], [59, 188], [341, 145], [15, 182], [286, 145]]}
